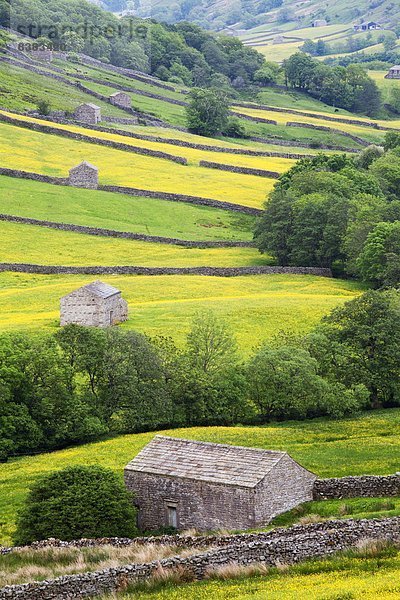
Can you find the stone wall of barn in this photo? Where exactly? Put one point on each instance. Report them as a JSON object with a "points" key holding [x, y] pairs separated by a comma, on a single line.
{"points": [[82, 308], [199, 504], [287, 486]]}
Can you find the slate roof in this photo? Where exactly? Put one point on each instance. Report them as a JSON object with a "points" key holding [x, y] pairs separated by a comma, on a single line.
{"points": [[100, 289], [91, 105], [84, 163], [118, 93], [204, 461]]}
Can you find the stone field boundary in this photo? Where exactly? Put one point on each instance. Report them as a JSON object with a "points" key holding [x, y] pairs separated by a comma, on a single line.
{"points": [[98, 231], [137, 192], [289, 546]]}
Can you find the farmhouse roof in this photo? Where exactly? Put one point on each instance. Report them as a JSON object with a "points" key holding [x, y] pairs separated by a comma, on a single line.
{"points": [[84, 163], [100, 289], [204, 461]]}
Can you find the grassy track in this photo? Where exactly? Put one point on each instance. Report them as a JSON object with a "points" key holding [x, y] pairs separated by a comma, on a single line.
{"points": [[54, 155], [256, 307], [123, 213], [365, 444]]}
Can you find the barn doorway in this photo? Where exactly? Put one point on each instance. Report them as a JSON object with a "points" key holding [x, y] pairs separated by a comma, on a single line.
{"points": [[111, 317], [172, 516]]}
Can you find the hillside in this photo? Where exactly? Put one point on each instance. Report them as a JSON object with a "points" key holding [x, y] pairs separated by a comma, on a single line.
{"points": [[219, 14]]}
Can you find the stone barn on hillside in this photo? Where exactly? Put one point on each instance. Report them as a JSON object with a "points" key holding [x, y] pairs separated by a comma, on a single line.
{"points": [[184, 483], [84, 175], [88, 113], [121, 99], [394, 72], [95, 305]]}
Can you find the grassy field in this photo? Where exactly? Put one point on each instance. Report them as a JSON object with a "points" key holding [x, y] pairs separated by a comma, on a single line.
{"points": [[353, 576], [21, 89], [193, 156], [123, 213], [368, 444], [366, 133], [256, 307], [54, 155], [40, 245]]}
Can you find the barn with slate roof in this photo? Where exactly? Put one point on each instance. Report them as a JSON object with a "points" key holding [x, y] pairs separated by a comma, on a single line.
{"points": [[185, 483], [95, 305]]}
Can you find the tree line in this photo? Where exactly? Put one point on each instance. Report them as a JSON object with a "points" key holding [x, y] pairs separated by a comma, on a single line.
{"points": [[80, 384], [345, 87], [339, 212], [182, 53]]}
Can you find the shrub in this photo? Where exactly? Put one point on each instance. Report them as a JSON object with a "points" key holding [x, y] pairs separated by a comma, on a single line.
{"points": [[76, 502], [44, 107], [235, 129]]}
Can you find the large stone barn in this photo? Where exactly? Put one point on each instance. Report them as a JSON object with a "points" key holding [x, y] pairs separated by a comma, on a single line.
{"points": [[94, 305], [184, 483]]}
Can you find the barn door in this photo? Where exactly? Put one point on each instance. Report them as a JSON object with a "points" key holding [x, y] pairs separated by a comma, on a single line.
{"points": [[111, 317], [172, 516]]}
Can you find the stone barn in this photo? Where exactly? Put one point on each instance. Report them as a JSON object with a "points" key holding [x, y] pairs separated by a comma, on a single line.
{"points": [[95, 305], [184, 483], [121, 99], [394, 72], [88, 113], [84, 175]]}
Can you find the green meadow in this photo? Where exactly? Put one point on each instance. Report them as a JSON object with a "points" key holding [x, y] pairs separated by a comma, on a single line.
{"points": [[106, 210], [366, 444]]}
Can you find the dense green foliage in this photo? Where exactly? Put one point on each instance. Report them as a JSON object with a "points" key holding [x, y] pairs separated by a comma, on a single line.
{"points": [[82, 383], [347, 87], [207, 112], [339, 212], [76, 502], [182, 53]]}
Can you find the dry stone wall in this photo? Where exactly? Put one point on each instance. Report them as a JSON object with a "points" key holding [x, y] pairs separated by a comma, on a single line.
{"points": [[91, 140], [366, 486], [355, 138], [247, 210], [242, 170], [136, 270], [291, 547], [301, 144], [97, 231]]}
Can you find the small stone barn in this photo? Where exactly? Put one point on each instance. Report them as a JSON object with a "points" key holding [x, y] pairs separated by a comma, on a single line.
{"points": [[121, 99], [394, 72], [88, 113], [95, 305], [84, 175], [184, 483]]}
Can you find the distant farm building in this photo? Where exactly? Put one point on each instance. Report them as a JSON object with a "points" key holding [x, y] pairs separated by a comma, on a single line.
{"points": [[367, 26], [394, 72], [121, 99], [84, 175], [95, 305], [319, 23], [278, 39], [41, 54], [184, 483], [88, 113]]}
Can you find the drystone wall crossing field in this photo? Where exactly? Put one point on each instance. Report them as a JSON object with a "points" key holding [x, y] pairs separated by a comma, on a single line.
{"points": [[289, 548]]}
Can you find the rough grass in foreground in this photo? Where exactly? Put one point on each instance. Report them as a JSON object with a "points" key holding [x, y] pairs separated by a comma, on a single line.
{"points": [[368, 444]]}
